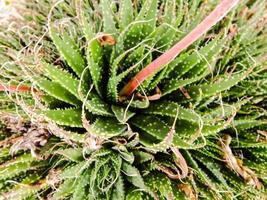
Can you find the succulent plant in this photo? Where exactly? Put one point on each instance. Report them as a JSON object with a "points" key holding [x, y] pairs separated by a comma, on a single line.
{"points": [[83, 117]]}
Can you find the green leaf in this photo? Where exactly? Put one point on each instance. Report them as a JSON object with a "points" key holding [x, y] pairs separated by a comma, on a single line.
{"points": [[149, 12], [134, 57], [80, 192], [195, 58], [109, 23], [4, 153], [157, 128], [74, 171], [118, 191], [112, 87], [103, 176], [141, 104], [97, 106], [145, 24], [171, 109], [68, 50], [194, 66], [244, 144], [65, 189], [24, 191], [174, 84], [133, 176], [57, 91], [141, 157], [117, 164], [199, 172], [207, 90], [175, 63], [94, 57], [169, 15], [68, 117], [116, 64], [85, 20], [73, 154], [16, 166], [166, 39], [214, 168], [31, 178], [64, 78], [159, 183], [180, 13], [107, 128], [242, 124], [135, 195], [126, 13], [125, 155], [190, 130], [122, 114], [223, 111], [209, 58], [152, 125]]}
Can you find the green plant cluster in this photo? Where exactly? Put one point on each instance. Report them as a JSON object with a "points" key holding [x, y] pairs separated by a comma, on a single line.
{"points": [[195, 129]]}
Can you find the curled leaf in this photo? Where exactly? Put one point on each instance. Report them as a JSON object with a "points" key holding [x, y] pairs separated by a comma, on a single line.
{"points": [[175, 173], [106, 39], [237, 165]]}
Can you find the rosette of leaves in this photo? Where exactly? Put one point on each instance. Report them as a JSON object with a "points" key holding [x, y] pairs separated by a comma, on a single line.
{"points": [[209, 102]]}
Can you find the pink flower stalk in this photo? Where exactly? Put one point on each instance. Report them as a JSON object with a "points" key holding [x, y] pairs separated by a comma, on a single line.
{"points": [[213, 18], [14, 88]]}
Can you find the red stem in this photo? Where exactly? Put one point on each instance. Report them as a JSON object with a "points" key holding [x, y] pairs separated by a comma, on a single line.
{"points": [[215, 16], [14, 88]]}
